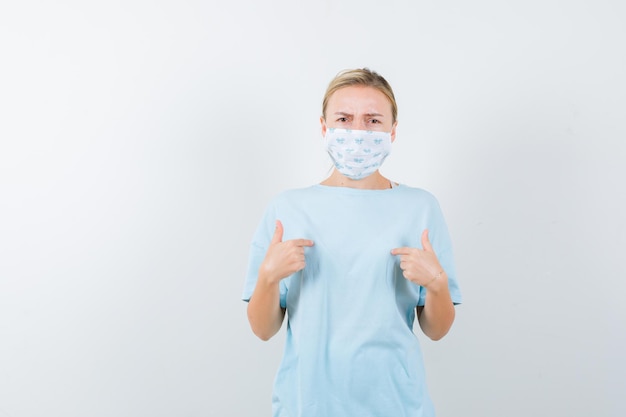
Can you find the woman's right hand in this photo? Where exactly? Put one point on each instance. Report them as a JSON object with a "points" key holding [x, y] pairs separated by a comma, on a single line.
{"points": [[282, 258]]}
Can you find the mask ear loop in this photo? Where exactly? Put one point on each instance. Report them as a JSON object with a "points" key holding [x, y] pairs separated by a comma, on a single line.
{"points": [[330, 168]]}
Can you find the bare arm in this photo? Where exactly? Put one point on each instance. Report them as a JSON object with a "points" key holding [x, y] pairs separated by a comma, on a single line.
{"points": [[422, 267], [282, 259], [264, 311], [437, 315]]}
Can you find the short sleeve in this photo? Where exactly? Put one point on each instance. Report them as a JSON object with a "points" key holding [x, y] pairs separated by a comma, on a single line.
{"points": [[442, 245], [255, 257], [258, 249]]}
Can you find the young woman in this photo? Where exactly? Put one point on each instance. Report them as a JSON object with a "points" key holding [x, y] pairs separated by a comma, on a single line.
{"points": [[352, 261]]}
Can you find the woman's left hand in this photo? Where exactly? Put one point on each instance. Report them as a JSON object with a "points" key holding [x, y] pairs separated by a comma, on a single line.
{"points": [[419, 266]]}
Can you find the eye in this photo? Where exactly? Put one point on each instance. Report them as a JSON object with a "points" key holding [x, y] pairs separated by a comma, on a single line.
{"points": [[342, 119], [375, 121]]}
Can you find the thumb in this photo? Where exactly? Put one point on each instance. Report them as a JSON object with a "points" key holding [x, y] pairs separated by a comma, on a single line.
{"points": [[278, 233], [425, 242]]}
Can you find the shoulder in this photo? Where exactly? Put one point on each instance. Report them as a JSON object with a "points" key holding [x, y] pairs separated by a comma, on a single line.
{"points": [[419, 200], [281, 206], [293, 194], [418, 195], [291, 198]]}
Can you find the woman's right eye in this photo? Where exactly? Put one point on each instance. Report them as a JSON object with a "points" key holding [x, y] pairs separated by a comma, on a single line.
{"points": [[342, 119]]}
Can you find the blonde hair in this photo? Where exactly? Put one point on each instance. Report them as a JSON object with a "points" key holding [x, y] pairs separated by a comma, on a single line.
{"points": [[361, 77]]}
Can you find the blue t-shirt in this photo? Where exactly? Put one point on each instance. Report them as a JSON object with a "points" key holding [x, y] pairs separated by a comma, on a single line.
{"points": [[350, 348]]}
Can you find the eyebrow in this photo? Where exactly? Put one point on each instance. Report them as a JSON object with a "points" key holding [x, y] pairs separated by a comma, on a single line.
{"points": [[341, 113]]}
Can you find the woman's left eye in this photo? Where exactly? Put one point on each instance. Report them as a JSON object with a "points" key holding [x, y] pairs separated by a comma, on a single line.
{"points": [[374, 121]]}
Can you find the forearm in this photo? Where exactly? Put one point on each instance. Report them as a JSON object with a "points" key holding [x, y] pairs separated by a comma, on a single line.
{"points": [[437, 315], [264, 312]]}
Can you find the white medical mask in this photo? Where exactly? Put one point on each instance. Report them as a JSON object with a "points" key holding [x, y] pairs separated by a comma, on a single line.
{"points": [[357, 153]]}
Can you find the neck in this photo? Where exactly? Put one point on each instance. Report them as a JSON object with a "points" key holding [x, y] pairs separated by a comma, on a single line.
{"points": [[372, 182]]}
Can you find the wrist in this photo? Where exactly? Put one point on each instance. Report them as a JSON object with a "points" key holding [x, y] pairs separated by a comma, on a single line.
{"points": [[266, 278], [438, 283]]}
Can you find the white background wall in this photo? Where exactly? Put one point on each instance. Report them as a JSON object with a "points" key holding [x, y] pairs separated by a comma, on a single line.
{"points": [[140, 142]]}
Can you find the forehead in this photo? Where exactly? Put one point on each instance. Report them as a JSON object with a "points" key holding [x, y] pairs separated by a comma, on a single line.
{"points": [[359, 98]]}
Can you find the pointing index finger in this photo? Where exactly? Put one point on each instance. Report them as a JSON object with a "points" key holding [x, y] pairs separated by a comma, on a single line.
{"points": [[401, 251], [302, 242]]}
